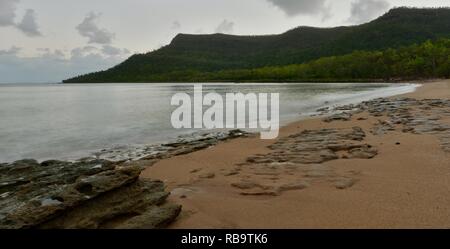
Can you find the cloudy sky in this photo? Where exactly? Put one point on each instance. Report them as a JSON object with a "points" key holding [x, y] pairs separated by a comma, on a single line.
{"points": [[49, 40]]}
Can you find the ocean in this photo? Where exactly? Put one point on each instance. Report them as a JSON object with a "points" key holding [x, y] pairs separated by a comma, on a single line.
{"points": [[69, 121]]}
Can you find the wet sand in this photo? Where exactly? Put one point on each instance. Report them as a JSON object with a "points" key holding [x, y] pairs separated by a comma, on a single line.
{"points": [[405, 185]]}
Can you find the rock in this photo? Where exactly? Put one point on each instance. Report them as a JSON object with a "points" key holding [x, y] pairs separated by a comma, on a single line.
{"points": [[245, 185], [236, 133], [182, 145], [349, 107], [411, 115], [142, 203], [344, 116], [84, 194], [311, 147], [382, 128], [344, 183], [231, 173], [307, 149], [316, 157], [323, 110], [155, 217], [293, 186], [208, 176], [316, 171], [363, 152], [252, 188]]}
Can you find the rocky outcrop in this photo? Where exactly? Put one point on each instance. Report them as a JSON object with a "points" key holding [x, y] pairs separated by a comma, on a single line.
{"points": [[298, 161], [102, 191], [295, 162], [140, 205], [84, 194], [183, 145], [427, 116], [343, 116], [317, 146]]}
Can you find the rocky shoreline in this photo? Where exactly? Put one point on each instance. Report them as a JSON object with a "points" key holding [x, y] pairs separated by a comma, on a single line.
{"points": [[408, 115], [182, 145], [305, 152], [104, 191]]}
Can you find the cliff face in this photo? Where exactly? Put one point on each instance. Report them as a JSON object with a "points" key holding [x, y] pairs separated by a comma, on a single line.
{"points": [[216, 52]]}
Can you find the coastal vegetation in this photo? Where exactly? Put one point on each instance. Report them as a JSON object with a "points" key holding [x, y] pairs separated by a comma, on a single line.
{"points": [[404, 43], [427, 60]]}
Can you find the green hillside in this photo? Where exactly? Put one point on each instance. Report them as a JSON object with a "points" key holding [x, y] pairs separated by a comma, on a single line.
{"points": [[189, 55], [424, 61]]}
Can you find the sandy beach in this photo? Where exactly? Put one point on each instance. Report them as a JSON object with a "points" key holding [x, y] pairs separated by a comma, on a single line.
{"points": [[404, 184]]}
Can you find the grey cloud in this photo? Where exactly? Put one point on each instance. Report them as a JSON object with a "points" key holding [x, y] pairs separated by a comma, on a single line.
{"points": [[365, 10], [176, 25], [47, 53], [28, 24], [113, 51], [12, 51], [54, 65], [225, 27], [88, 28], [302, 7], [82, 51], [7, 12], [105, 50]]}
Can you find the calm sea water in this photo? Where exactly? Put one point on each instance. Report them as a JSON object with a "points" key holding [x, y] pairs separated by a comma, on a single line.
{"points": [[44, 121]]}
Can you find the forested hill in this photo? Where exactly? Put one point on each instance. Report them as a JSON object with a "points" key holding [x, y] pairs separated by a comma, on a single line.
{"points": [[192, 54]]}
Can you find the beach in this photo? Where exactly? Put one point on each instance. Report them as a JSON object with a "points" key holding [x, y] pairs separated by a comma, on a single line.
{"points": [[385, 164]]}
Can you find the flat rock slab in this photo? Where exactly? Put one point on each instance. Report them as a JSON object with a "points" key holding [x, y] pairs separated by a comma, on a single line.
{"points": [[317, 146], [401, 114], [344, 183], [411, 116], [56, 194], [344, 116]]}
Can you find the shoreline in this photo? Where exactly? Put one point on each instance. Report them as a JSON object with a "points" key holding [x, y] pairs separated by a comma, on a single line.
{"points": [[217, 179], [218, 188], [120, 151], [221, 134]]}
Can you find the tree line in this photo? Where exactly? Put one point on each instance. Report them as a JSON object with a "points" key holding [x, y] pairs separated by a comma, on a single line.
{"points": [[428, 60]]}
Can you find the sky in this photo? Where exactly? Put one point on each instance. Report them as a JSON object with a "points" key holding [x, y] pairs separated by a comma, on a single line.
{"points": [[51, 40]]}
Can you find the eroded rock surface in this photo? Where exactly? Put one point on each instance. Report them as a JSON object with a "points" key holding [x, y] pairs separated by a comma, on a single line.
{"points": [[102, 191], [297, 161], [183, 145], [428, 116], [318, 146], [85, 194], [344, 116]]}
